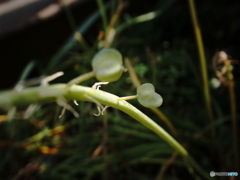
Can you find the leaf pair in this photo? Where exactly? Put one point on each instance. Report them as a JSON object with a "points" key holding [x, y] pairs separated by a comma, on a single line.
{"points": [[147, 96]]}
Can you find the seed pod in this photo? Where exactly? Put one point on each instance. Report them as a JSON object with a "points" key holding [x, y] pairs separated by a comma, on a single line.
{"points": [[147, 96], [107, 65]]}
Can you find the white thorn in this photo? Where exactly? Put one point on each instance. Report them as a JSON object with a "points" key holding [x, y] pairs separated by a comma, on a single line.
{"points": [[46, 80], [75, 102], [98, 85], [63, 103]]}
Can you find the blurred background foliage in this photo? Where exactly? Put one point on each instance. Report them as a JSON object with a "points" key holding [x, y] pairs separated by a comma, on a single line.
{"points": [[39, 145]]}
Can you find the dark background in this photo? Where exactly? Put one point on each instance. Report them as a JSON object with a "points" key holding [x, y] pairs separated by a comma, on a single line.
{"points": [[40, 39]]}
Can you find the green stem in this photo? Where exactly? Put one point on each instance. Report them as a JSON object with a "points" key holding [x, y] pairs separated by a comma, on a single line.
{"points": [[78, 36], [102, 11], [50, 93], [127, 98], [144, 17], [233, 106], [203, 66], [110, 31], [81, 78]]}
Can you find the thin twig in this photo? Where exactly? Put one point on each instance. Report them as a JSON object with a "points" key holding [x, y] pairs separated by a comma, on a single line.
{"points": [[81, 78], [111, 31]]}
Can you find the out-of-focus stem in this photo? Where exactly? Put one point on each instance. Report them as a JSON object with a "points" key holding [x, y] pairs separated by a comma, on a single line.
{"points": [[136, 82], [203, 66], [78, 36], [111, 31], [166, 166], [102, 11], [233, 106]]}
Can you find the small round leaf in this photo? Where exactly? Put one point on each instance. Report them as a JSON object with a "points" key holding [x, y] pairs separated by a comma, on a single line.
{"points": [[107, 65], [147, 96]]}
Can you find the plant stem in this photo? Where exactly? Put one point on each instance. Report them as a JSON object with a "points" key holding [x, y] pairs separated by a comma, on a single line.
{"points": [[111, 31], [26, 71], [102, 11], [165, 119], [136, 83], [105, 148], [166, 166], [75, 92], [203, 66], [144, 17], [68, 45], [81, 78], [233, 106], [127, 98], [78, 36], [50, 93]]}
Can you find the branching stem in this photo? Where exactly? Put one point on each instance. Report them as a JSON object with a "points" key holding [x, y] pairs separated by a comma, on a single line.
{"points": [[81, 78], [50, 93], [127, 98]]}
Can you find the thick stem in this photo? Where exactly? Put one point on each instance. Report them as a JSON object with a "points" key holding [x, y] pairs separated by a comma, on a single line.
{"points": [[28, 96]]}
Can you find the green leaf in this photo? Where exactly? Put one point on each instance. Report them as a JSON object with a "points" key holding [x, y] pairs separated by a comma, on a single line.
{"points": [[148, 97], [107, 65]]}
